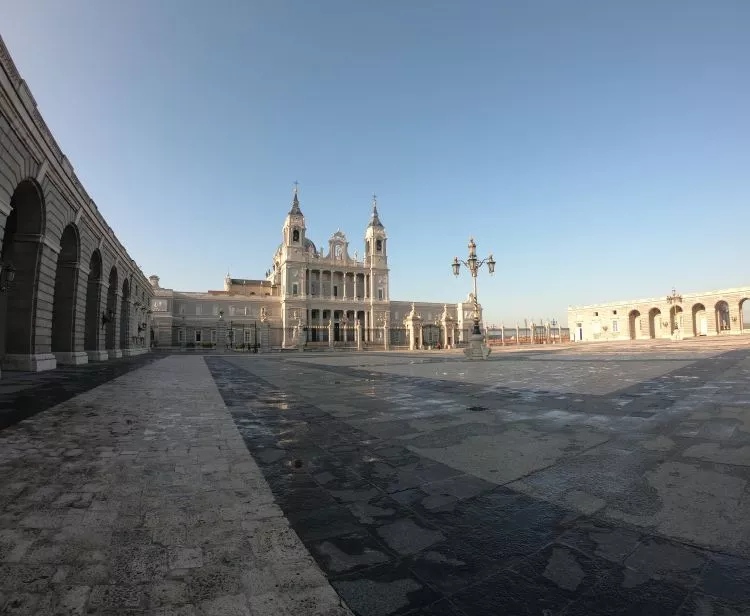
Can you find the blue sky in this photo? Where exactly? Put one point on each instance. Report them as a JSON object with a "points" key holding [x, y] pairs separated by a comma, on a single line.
{"points": [[600, 150]]}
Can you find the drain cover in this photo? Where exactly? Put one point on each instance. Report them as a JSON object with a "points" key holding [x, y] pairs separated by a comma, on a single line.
{"points": [[476, 408]]}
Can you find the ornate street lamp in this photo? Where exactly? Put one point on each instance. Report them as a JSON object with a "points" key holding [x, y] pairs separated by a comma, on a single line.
{"points": [[474, 264], [7, 275], [675, 300]]}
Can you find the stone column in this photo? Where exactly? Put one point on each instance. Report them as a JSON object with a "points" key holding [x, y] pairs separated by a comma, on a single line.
{"points": [[116, 351], [343, 277], [98, 352], [358, 333], [73, 307], [330, 333], [386, 336], [33, 337]]}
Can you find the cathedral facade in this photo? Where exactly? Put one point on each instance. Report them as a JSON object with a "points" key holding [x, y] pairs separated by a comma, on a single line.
{"points": [[311, 296]]}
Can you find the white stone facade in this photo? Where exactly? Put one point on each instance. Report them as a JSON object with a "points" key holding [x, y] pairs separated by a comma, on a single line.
{"points": [[709, 313], [69, 291], [313, 295]]}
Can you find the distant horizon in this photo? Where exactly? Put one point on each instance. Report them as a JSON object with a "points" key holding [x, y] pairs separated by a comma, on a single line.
{"points": [[599, 151]]}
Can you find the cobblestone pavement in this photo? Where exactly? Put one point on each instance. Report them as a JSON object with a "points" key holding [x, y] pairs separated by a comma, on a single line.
{"points": [[583, 480], [139, 497]]}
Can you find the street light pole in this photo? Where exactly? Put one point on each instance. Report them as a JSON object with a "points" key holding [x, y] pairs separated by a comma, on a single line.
{"points": [[476, 349], [674, 300]]}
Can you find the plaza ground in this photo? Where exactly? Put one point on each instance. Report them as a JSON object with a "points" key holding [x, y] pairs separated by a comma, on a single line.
{"points": [[586, 479]]}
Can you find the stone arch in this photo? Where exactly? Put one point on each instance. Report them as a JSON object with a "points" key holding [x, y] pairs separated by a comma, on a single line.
{"points": [[111, 310], [654, 323], [64, 303], [125, 315], [93, 324], [723, 323], [700, 320], [744, 307], [21, 254], [634, 321]]}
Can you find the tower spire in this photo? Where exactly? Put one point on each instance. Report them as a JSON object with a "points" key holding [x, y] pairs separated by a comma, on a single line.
{"points": [[375, 220], [295, 201]]}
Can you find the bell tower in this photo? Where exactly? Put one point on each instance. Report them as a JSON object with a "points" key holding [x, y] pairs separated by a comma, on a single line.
{"points": [[376, 254], [294, 230]]}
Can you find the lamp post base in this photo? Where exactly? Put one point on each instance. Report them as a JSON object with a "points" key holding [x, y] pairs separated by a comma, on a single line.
{"points": [[477, 349]]}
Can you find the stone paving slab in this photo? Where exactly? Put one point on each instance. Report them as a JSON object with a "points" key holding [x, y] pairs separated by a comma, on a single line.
{"points": [[140, 497], [425, 495]]}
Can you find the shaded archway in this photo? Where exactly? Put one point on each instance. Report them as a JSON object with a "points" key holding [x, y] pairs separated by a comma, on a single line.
{"points": [[723, 324], [654, 323], [64, 303], [634, 319], [125, 315], [111, 311], [700, 321], [21, 253], [93, 326], [744, 315]]}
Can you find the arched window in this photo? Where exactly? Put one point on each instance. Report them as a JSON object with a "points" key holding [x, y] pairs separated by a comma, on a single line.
{"points": [[379, 245], [295, 235]]}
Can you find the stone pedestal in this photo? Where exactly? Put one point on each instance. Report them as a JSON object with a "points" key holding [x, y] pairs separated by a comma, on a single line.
{"points": [[38, 362], [98, 355], [476, 349], [71, 359]]}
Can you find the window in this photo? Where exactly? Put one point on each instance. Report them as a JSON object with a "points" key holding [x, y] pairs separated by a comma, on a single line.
{"points": [[180, 335], [295, 235], [294, 289], [198, 309], [379, 245], [198, 335], [215, 310], [614, 312], [232, 311], [182, 308], [248, 336], [335, 290], [596, 314], [380, 293], [213, 336], [615, 326]]}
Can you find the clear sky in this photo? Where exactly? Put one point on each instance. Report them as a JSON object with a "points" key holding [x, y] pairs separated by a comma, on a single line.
{"points": [[600, 150]]}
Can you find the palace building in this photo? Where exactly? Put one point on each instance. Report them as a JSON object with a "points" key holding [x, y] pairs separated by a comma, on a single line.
{"points": [[310, 296], [674, 316]]}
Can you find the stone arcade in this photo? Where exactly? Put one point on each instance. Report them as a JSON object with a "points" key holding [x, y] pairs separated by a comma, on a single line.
{"points": [[709, 313], [310, 297], [69, 292]]}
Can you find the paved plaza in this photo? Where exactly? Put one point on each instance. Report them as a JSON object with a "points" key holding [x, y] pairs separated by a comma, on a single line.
{"points": [[592, 479]]}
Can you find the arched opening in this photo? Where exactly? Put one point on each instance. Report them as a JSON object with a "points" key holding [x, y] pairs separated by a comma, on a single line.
{"points": [[111, 311], [700, 320], [675, 318], [634, 319], [744, 315], [125, 315], [93, 324], [723, 325], [295, 235], [21, 253], [654, 323], [64, 303]]}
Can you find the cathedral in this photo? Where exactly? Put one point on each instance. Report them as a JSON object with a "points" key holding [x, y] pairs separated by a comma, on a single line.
{"points": [[311, 296]]}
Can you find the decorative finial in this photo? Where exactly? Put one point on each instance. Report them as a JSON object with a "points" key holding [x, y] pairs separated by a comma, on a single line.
{"points": [[296, 184]]}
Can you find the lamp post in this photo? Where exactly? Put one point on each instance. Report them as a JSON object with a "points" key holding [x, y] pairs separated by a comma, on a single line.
{"points": [[675, 300], [474, 264], [476, 349]]}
